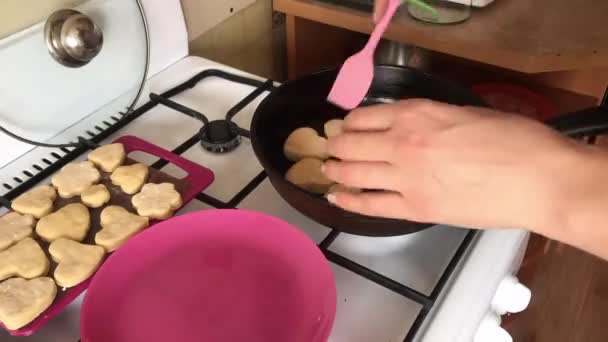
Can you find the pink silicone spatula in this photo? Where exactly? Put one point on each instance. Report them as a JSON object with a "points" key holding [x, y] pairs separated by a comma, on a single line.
{"points": [[356, 75]]}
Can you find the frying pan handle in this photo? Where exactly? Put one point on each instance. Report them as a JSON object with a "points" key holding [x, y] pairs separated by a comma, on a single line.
{"points": [[587, 122]]}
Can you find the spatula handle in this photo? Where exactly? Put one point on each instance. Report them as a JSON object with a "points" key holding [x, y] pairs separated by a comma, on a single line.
{"points": [[378, 32]]}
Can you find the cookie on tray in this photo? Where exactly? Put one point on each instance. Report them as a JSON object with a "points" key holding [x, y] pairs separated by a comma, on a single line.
{"points": [[95, 196], [37, 202], [71, 222], [157, 201], [76, 262], [130, 178], [108, 157], [22, 300], [26, 259], [15, 227], [74, 178], [118, 226]]}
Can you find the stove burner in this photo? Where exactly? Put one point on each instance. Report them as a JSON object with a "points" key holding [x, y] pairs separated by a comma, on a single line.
{"points": [[220, 136]]}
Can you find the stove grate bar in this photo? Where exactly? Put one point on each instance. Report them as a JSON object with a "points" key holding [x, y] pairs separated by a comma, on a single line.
{"points": [[267, 86], [5, 202], [179, 108], [415, 327], [248, 189], [212, 201], [237, 199], [449, 270], [464, 246], [329, 239], [178, 150], [379, 279]]}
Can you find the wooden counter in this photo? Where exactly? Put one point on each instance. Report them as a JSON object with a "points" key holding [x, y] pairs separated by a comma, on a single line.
{"points": [[529, 36]]}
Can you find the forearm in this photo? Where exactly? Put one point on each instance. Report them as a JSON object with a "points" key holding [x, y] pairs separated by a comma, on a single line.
{"points": [[581, 218]]}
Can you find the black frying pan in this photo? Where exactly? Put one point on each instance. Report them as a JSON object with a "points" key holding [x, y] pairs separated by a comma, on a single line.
{"points": [[302, 103]]}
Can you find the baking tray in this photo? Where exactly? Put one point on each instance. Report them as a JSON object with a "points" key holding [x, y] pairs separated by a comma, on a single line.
{"points": [[198, 178]]}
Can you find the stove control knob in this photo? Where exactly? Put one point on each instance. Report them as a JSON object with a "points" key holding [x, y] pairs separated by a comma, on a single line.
{"points": [[511, 296], [490, 331]]}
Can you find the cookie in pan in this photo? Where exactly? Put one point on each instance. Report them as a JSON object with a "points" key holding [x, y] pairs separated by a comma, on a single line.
{"points": [[305, 143], [306, 174], [333, 127]]}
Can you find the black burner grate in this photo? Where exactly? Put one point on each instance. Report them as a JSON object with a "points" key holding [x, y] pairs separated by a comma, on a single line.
{"points": [[260, 87]]}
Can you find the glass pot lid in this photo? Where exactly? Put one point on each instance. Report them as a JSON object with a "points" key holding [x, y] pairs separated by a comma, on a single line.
{"points": [[64, 60]]}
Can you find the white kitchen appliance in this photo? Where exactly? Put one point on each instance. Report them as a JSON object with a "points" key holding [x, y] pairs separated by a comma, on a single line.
{"points": [[442, 284]]}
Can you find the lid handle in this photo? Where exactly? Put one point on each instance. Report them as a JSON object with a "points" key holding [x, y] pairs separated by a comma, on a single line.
{"points": [[72, 38]]}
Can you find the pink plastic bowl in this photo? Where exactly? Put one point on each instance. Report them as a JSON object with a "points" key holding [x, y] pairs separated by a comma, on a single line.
{"points": [[215, 275]]}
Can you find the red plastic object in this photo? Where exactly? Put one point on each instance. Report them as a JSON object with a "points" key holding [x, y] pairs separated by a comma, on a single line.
{"points": [[516, 99], [198, 179], [213, 275]]}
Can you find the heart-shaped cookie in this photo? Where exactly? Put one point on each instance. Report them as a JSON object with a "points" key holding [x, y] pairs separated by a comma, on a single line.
{"points": [[305, 143], [130, 178], [333, 127], [74, 178], [344, 188], [108, 157], [118, 225], [26, 259], [70, 222], [157, 201], [15, 227], [95, 196], [306, 174], [22, 301], [76, 261], [37, 202]]}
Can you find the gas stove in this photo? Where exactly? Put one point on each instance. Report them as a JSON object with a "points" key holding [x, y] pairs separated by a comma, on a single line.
{"points": [[442, 284]]}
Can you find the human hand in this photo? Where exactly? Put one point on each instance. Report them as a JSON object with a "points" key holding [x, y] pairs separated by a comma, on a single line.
{"points": [[464, 166], [380, 7]]}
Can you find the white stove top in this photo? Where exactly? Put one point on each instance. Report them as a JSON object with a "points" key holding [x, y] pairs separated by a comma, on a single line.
{"points": [[367, 310]]}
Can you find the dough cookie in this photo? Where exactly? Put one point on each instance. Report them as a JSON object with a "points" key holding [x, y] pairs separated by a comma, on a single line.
{"points": [[344, 188], [15, 227], [76, 261], [333, 127], [108, 157], [37, 202], [305, 143], [95, 196], [70, 222], [118, 225], [130, 178], [26, 259], [157, 201], [306, 174], [22, 301], [75, 178]]}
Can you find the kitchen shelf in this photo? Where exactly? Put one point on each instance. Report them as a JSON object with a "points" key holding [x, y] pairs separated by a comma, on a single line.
{"points": [[521, 35]]}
